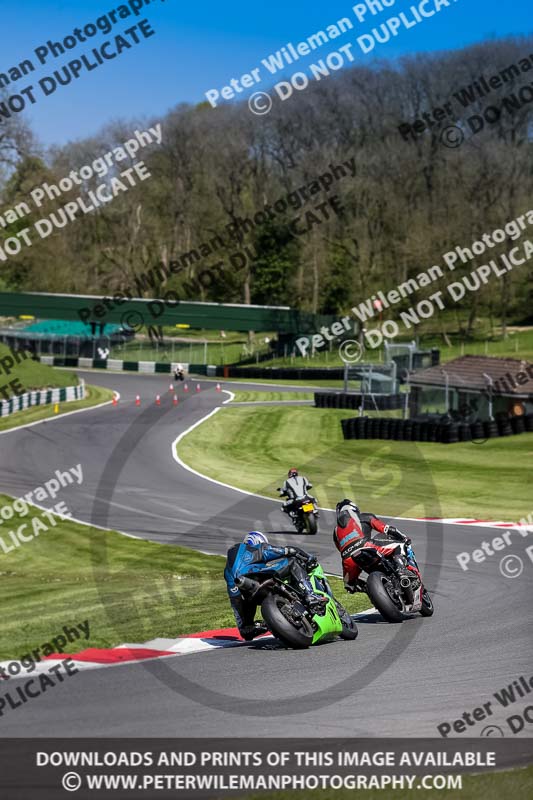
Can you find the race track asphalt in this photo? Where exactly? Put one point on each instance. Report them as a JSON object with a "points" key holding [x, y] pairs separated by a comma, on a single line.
{"points": [[394, 680]]}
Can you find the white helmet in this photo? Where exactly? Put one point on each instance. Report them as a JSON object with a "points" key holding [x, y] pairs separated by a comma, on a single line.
{"points": [[255, 537]]}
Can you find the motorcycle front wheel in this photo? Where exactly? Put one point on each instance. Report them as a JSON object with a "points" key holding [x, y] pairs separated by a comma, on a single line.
{"points": [[276, 611], [427, 604], [349, 627], [377, 589]]}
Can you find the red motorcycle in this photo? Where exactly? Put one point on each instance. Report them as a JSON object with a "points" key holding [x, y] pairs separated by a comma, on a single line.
{"points": [[392, 592]]}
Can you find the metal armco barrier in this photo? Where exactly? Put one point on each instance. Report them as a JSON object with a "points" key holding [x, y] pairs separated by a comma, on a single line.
{"points": [[42, 397], [117, 365]]}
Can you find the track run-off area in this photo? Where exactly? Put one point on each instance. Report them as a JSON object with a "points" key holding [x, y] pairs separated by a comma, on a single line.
{"points": [[392, 681]]}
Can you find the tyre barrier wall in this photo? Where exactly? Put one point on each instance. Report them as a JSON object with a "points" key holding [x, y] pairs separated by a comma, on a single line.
{"points": [[42, 397], [282, 373], [384, 402], [432, 431]]}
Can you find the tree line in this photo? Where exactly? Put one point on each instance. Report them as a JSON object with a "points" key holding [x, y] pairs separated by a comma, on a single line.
{"points": [[412, 198]]}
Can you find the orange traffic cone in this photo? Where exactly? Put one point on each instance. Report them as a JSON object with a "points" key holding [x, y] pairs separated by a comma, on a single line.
{"points": [[138, 400], [115, 400], [171, 387], [185, 388], [197, 387], [175, 400], [157, 400], [218, 387]]}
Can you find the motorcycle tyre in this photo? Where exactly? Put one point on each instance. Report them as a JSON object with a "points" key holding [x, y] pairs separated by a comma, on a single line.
{"points": [[281, 627], [380, 598], [349, 627], [427, 608], [311, 525]]}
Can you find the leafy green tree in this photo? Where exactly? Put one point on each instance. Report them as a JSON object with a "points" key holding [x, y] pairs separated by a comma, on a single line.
{"points": [[275, 264]]}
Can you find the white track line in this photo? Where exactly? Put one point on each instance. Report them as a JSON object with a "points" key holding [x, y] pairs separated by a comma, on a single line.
{"points": [[182, 464], [474, 524], [75, 519]]}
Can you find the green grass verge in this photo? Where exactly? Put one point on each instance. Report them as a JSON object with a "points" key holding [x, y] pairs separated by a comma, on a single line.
{"points": [[252, 448], [266, 396], [326, 383], [34, 375], [518, 344], [191, 353], [270, 397], [490, 786], [211, 336], [94, 396], [130, 590]]}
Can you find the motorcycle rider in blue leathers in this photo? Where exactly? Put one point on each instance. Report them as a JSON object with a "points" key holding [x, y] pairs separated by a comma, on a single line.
{"points": [[251, 555]]}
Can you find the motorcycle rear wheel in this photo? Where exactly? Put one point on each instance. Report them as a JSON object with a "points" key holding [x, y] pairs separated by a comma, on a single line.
{"points": [[375, 587], [289, 634], [310, 523]]}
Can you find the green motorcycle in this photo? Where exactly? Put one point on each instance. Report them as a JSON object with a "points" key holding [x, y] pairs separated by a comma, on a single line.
{"points": [[289, 617]]}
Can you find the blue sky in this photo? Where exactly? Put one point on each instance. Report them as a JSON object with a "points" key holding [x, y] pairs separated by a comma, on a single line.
{"points": [[201, 46]]}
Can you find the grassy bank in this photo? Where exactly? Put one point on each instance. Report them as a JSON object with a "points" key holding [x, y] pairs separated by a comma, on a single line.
{"points": [[188, 346], [270, 397], [518, 344], [252, 448], [130, 590], [33, 375], [94, 396], [325, 383]]}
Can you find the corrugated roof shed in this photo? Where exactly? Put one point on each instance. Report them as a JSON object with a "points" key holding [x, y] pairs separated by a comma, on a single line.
{"points": [[509, 375]]}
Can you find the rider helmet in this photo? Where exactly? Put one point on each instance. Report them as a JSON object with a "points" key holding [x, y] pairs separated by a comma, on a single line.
{"points": [[255, 537], [345, 510], [292, 473]]}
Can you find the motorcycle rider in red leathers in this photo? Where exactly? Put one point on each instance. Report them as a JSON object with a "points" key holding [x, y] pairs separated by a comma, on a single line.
{"points": [[353, 530]]}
